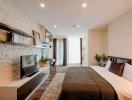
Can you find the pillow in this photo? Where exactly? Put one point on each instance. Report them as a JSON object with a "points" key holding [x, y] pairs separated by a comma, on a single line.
{"points": [[108, 63], [127, 73], [117, 68]]}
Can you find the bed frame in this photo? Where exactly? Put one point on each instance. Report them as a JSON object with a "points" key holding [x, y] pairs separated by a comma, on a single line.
{"points": [[119, 59]]}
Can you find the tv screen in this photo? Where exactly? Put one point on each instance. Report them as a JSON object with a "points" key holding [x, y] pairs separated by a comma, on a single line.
{"points": [[29, 65]]}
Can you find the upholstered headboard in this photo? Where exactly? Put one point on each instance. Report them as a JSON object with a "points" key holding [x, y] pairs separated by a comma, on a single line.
{"points": [[119, 60]]}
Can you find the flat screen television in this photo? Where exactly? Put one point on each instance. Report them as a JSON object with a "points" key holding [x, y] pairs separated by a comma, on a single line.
{"points": [[29, 65]]}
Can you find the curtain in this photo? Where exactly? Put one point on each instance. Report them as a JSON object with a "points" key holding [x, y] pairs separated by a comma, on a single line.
{"points": [[65, 52], [81, 57], [54, 50]]}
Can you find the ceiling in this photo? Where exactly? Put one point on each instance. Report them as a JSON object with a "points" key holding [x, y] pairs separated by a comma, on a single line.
{"points": [[66, 13]]}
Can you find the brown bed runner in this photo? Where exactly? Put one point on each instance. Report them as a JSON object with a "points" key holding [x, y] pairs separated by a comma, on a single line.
{"points": [[83, 83]]}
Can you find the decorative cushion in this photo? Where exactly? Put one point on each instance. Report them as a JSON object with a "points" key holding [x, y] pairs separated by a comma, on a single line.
{"points": [[127, 73], [108, 63], [117, 68]]}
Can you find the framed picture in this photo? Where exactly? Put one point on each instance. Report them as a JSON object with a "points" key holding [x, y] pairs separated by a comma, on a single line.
{"points": [[48, 36], [37, 38]]}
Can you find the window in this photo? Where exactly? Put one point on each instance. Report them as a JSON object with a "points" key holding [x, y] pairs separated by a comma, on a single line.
{"points": [[74, 50]]}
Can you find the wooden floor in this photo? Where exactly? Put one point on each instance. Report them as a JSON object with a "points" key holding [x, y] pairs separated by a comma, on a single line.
{"points": [[38, 93]]}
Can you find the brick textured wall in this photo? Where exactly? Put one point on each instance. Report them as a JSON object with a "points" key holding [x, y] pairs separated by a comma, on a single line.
{"points": [[9, 14]]}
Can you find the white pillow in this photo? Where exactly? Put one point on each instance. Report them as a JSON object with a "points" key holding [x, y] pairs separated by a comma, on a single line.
{"points": [[107, 66], [127, 73]]}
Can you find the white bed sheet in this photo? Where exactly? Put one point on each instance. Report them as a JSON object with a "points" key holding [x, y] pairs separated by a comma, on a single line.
{"points": [[122, 86]]}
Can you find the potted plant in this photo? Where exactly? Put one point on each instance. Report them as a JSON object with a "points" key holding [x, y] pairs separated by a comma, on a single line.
{"points": [[98, 59], [104, 59], [50, 60], [43, 61]]}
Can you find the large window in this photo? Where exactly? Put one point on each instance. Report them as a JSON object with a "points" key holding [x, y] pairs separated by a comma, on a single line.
{"points": [[74, 50]]}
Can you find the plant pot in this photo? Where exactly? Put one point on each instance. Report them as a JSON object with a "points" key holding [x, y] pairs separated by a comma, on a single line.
{"points": [[42, 64]]}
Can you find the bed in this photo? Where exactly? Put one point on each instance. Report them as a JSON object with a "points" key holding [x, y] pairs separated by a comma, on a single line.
{"points": [[95, 83]]}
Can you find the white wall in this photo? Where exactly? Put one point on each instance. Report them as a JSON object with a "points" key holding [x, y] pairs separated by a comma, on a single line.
{"points": [[120, 36]]}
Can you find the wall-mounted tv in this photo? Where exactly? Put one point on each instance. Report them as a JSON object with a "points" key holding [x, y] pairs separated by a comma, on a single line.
{"points": [[29, 65]]}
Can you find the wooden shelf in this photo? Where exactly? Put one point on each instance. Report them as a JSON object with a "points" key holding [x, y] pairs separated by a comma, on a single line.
{"points": [[14, 30]]}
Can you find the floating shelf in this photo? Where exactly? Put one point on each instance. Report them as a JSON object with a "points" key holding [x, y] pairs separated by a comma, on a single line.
{"points": [[13, 43], [20, 44], [14, 30]]}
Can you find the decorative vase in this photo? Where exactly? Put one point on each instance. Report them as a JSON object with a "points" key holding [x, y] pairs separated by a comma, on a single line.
{"points": [[42, 64]]}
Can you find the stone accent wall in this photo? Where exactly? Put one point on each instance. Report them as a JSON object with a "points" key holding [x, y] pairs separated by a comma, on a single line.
{"points": [[13, 16], [10, 54], [9, 60]]}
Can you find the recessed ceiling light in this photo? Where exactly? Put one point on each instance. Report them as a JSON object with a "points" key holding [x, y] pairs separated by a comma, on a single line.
{"points": [[55, 26], [42, 5], [84, 5], [78, 26]]}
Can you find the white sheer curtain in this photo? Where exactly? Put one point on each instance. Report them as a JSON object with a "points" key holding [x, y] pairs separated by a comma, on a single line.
{"points": [[60, 52], [74, 50]]}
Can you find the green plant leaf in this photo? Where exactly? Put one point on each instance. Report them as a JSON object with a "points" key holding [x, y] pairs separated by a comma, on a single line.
{"points": [[97, 58]]}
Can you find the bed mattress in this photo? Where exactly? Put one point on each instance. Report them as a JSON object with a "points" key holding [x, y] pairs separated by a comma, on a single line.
{"points": [[122, 86], [84, 83]]}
